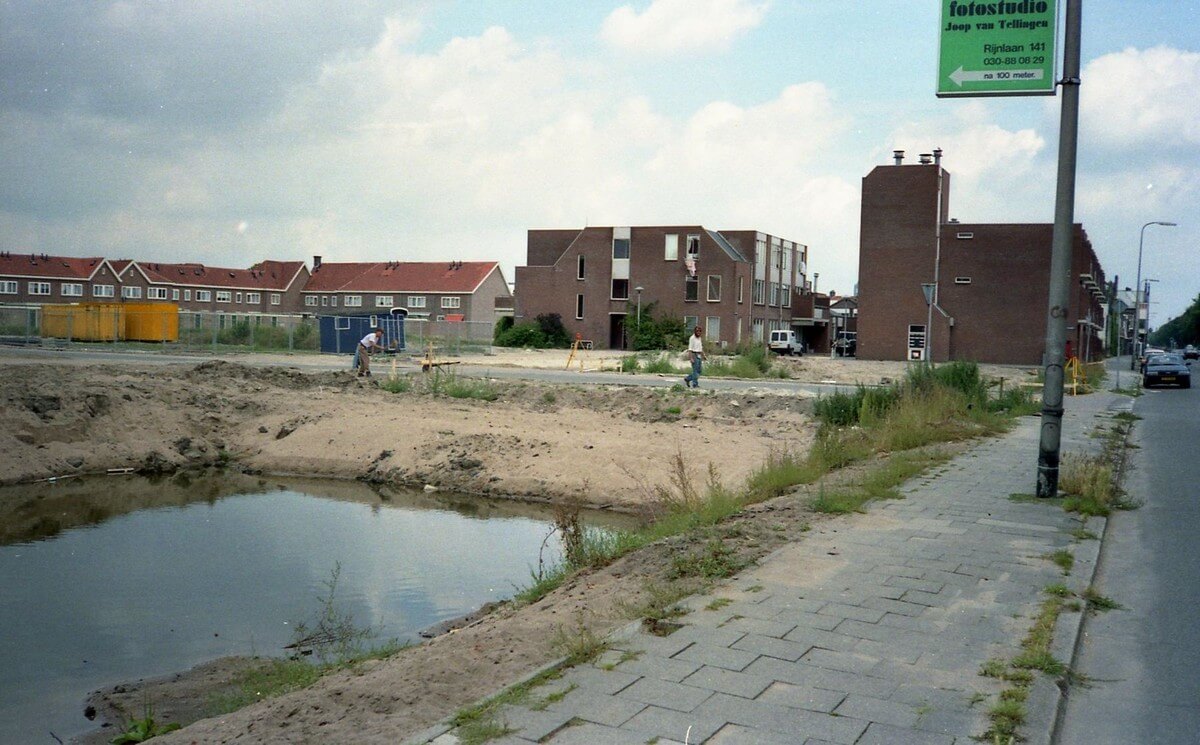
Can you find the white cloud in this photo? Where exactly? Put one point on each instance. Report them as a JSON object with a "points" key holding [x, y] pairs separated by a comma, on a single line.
{"points": [[1141, 99], [670, 26]]}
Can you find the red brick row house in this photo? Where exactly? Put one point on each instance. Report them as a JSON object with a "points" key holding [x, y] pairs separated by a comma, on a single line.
{"points": [[737, 285], [39, 279]]}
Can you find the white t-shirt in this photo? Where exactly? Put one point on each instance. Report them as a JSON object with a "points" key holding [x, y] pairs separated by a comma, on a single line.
{"points": [[695, 344], [369, 341]]}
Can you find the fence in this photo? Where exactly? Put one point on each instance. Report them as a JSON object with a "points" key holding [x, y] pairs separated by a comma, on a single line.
{"points": [[160, 327]]}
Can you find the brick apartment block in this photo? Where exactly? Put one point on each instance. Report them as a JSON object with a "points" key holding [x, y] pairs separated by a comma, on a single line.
{"points": [[993, 279]]}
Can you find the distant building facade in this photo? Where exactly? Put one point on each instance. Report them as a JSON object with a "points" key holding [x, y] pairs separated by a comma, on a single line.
{"points": [[737, 285], [471, 291], [267, 288], [40, 279], [992, 279]]}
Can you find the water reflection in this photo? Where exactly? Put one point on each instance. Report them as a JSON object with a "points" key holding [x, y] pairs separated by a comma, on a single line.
{"points": [[118, 578]]}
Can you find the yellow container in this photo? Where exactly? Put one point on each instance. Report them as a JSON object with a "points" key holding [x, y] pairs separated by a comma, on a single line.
{"points": [[151, 322], [84, 321]]}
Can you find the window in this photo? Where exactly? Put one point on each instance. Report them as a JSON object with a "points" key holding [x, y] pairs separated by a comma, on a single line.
{"points": [[712, 328], [39, 288], [690, 323], [957, 281], [324, 300], [223, 296], [310, 301], [254, 298], [785, 296], [238, 298], [341, 323], [579, 307], [8, 287], [275, 298], [620, 289], [964, 236], [416, 301], [620, 248], [174, 294], [71, 289], [131, 293], [760, 292], [102, 290], [714, 288], [741, 287], [333, 301], [579, 273], [156, 293], [383, 301], [671, 247], [354, 301], [451, 302], [691, 289], [187, 294], [693, 246], [204, 296]]}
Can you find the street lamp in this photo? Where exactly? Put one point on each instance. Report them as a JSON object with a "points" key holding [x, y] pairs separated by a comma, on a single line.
{"points": [[1137, 288], [638, 290]]}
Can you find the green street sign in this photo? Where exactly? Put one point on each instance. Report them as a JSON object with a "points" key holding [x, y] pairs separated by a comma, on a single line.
{"points": [[997, 48]]}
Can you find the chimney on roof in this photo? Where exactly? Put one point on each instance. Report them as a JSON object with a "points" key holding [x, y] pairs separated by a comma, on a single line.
{"points": [[899, 156], [316, 263], [937, 156], [926, 159]]}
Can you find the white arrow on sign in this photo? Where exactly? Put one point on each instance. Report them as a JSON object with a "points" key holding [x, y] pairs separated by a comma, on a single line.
{"points": [[961, 76]]}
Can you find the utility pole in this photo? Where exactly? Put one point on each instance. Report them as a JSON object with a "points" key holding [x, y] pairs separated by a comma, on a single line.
{"points": [[1060, 260]]}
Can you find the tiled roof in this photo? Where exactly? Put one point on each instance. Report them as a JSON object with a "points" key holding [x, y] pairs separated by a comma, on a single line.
{"points": [[400, 276], [50, 267], [265, 275]]}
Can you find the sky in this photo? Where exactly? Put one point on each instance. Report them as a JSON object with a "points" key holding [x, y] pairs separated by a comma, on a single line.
{"points": [[229, 132]]}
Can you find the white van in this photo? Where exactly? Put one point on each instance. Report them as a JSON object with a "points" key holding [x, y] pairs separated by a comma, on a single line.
{"points": [[785, 342]]}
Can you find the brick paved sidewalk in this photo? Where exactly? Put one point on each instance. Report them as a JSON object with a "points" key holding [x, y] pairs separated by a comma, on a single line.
{"points": [[872, 629]]}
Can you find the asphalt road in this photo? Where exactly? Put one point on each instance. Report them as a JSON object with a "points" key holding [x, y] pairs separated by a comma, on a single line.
{"points": [[1144, 661], [325, 362]]}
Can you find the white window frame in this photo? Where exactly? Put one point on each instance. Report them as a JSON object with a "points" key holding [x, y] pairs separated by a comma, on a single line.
{"points": [[580, 267], [341, 323], [416, 301], [324, 301], [691, 282], [613, 290], [671, 247], [203, 296], [693, 246], [237, 298], [40, 288], [187, 295], [103, 291], [333, 301], [311, 301], [276, 298], [708, 289], [353, 301], [174, 294], [627, 243], [130, 292], [156, 293], [579, 307], [9, 286], [224, 296], [71, 289], [451, 302], [384, 301], [254, 298]]}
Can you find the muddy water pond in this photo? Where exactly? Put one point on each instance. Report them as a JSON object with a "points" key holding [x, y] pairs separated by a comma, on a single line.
{"points": [[113, 579]]}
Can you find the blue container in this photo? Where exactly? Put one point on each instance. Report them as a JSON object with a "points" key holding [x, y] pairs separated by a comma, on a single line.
{"points": [[341, 334]]}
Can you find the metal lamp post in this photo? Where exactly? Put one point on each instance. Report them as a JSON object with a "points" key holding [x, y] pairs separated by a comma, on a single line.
{"points": [[638, 290], [1137, 289]]}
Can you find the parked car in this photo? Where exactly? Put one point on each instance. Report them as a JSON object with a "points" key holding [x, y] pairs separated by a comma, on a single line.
{"points": [[1166, 369], [785, 342], [1148, 354], [1191, 353]]}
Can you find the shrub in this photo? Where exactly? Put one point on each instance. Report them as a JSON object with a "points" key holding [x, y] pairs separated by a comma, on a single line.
{"points": [[551, 326], [527, 334]]}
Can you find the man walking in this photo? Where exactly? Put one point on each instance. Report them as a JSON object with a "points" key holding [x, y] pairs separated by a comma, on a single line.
{"points": [[366, 348], [696, 354]]}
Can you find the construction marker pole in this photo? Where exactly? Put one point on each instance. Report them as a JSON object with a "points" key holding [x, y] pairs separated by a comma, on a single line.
{"points": [[1060, 261]]}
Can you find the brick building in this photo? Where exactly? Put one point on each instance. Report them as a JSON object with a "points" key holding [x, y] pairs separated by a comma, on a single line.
{"points": [[992, 279], [471, 291], [39, 279], [267, 288], [736, 284]]}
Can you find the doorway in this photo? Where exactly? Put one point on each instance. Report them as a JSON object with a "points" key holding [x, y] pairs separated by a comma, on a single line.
{"points": [[616, 331]]}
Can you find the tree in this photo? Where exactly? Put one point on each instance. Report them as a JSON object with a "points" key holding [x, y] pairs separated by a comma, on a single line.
{"points": [[1184, 329]]}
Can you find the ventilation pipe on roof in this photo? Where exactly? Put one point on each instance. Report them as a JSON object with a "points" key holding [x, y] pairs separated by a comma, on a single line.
{"points": [[899, 156], [926, 159], [937, 156]]}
